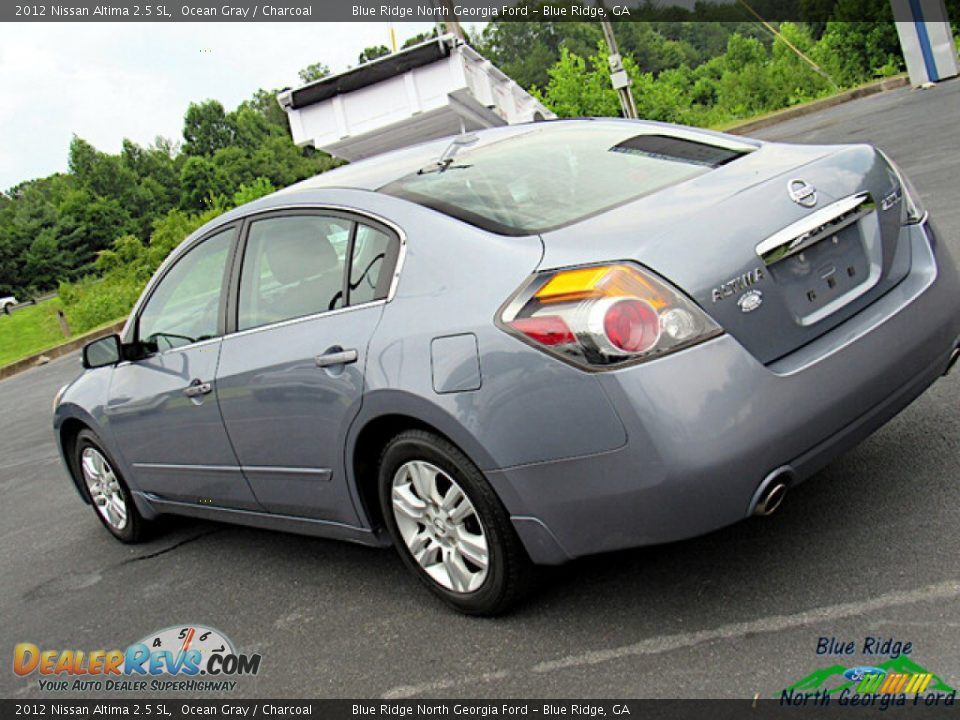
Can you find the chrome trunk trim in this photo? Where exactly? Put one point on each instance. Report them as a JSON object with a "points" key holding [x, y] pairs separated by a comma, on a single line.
{"points": [[814, 227]]}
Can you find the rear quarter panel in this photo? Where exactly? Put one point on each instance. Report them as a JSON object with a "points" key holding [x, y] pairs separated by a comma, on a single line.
{"points": [[528, 407]]}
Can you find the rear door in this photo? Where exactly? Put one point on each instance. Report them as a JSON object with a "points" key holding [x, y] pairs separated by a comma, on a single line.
{"points": [[309, 294]]}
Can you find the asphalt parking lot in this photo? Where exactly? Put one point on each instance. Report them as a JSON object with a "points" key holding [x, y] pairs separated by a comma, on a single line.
{"points": [[868, 547]]}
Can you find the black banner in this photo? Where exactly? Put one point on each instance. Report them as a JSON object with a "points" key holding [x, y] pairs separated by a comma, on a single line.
{"points": [[474, 709], [464, 11]]}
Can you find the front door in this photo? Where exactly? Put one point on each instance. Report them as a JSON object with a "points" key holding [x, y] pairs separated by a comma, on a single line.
{"points": [[291, 377], [163, 409]]}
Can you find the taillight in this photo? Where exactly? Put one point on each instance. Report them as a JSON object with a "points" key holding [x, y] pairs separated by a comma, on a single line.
{"points": [[605, 315], [630, 325], [914, 212]]}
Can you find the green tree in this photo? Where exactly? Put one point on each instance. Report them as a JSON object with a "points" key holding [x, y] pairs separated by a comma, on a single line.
{"points": [[577, 89], [419, 38], [256, 189], [656, 38], [527, 50], [198, 183], [43, 262], [206, 129], [316, 71], [87, 224], [372, 53], [101, 174], [30, 212], [264, 103]]}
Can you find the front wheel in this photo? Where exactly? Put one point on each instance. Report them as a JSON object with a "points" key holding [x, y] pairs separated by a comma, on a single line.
{"points": [[107, 490], [449, 526]]}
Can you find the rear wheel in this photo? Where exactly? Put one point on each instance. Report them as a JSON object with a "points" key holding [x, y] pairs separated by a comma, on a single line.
{"points": [[449, 526], [107, 490]]}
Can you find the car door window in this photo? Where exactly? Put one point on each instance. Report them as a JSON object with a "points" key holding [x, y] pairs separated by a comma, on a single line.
{"points": [[185, 305], [293, 266], [374, 253]]}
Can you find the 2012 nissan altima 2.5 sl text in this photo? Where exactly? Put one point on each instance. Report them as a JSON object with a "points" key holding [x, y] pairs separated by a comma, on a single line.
{"points": [[523, 345]]}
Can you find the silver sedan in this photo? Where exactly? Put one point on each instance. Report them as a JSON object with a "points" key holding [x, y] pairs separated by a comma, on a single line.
{"points": [[520, 346]]}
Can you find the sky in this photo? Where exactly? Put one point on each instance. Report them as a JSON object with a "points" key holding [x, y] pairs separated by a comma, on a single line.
{"points": [[109, 81]]}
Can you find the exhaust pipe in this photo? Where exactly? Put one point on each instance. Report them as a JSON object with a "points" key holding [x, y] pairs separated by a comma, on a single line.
{"points": [[954, 356], [771, 499], [769, 496]]}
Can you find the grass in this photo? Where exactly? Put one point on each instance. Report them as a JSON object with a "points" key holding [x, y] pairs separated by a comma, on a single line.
{"points": [[30, 330]]}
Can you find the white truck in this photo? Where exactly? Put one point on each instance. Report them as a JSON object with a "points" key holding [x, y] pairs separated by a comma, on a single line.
{"points": [[437, 88], [7, 303]]}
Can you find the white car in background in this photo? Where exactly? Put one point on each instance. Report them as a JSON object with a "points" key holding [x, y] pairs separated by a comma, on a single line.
{"points": [[7, 302]]}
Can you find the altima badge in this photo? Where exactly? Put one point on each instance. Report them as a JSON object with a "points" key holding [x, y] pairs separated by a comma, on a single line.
{"points": [[750, 300], [802, 192], [738, 284]]}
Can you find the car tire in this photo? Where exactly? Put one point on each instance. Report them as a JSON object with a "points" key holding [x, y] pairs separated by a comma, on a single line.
{"points": [[107, 491], [445, 529]]}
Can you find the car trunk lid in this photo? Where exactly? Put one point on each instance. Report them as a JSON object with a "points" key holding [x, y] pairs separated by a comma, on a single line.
{"points": [[779, 246]]}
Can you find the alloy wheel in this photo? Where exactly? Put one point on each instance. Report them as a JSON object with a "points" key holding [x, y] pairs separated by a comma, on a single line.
{"points": [[104, 487], [440, 526]]}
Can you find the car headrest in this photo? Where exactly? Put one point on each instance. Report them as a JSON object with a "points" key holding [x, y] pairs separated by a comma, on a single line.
{"points": [[297, 249]]}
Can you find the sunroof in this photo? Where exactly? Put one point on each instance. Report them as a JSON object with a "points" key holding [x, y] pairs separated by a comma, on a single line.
{"points": [[664, 147]]}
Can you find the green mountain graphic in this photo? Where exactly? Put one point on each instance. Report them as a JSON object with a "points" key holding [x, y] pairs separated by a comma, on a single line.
{"points": [[831, 680]]}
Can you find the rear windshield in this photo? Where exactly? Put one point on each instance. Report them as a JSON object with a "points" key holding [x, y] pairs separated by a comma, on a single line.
{"points": [[555, 175]]}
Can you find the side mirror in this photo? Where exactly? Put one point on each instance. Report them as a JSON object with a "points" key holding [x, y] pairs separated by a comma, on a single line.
{"points": [[105, 351]]}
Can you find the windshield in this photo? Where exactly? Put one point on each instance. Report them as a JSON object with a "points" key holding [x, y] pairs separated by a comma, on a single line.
{"points": [[557, 174]]}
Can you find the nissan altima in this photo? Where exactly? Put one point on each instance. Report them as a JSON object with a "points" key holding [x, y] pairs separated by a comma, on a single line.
{"points": [[523, 345]]}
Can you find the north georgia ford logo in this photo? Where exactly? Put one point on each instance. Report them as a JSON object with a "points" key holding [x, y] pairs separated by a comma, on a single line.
{"points": [[188, 651]]}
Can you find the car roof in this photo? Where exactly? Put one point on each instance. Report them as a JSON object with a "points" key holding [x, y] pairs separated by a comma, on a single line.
{"points": [[374, 172]]}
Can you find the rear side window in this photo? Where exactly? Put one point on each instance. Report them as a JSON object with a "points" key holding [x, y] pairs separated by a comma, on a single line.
{"points": [[557, 174], [374, 256], [292, 267], [295, 266]]}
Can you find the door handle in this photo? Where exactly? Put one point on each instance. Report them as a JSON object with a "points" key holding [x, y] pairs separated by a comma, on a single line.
{"points": [[197, 388], [339, 357]]}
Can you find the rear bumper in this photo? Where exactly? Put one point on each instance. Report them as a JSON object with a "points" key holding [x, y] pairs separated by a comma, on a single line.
{"points": [[708, 424]]}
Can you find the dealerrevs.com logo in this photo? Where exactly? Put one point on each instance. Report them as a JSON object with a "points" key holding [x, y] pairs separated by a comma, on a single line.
{"points": [[183, 658]]}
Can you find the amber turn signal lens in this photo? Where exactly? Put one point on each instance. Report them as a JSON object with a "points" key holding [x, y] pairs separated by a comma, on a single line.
{"points": [[601, 281]]}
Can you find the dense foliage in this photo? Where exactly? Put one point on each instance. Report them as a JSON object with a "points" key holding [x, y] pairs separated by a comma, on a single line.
{"points": [[52, 229], [748, 79], [701, 73], [99, 231], [124, 268]]}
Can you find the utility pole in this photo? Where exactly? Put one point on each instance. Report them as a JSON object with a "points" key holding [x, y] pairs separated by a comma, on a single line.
{"points": [[618, 76], [451, 21]]}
